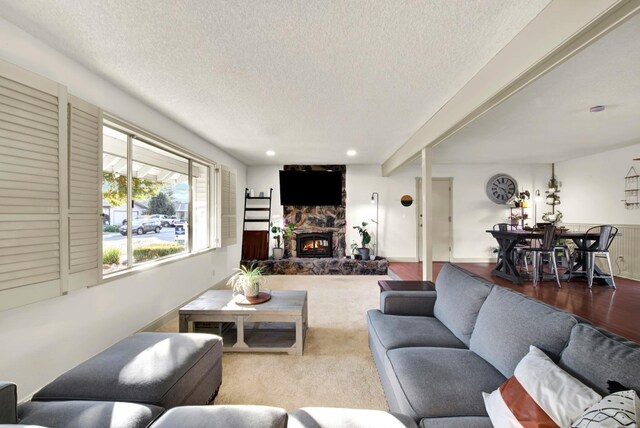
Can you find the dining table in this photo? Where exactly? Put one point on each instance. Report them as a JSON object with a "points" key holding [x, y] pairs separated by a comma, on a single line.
{"points": [[508, 239]]}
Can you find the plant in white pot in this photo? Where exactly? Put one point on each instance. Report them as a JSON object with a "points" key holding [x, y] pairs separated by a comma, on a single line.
{"points": [[365, 238], [247, 280], [354, 249], [278, 251]]}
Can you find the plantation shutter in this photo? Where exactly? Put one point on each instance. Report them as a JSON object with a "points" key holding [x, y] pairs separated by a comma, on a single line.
{"points": [[227, 207], [31, 155], [85, 200]]}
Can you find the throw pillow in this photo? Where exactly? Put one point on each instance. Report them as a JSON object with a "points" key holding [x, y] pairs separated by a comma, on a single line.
{"points": [[539, 394], [620, 409]]}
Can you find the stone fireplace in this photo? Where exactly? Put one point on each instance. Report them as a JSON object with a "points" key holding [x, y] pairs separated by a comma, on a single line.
{"points": [[314, 244], [330, 220]]}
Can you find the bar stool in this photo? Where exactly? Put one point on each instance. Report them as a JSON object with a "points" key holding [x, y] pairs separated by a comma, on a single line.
{"points": [[599, 248], [547, 246]]}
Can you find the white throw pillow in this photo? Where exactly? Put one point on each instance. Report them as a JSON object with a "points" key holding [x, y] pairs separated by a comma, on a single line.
{"points": [[538, 394], [621, 409]]}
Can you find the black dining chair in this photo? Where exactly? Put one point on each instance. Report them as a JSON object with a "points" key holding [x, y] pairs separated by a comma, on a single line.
{"points": [[547, 246], [597, 248], [501, 227]]}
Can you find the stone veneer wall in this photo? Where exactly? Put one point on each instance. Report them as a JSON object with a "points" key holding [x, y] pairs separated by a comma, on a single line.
{"points": [[323, 266], [310, 219]]}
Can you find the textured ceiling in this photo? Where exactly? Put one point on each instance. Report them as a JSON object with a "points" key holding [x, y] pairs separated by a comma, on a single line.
{"points": [[308, 79], [549, 120]]}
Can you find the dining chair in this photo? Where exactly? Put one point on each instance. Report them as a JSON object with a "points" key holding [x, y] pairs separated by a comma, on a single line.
{"points": [[547, 246], [520, 257], [597, 248]]}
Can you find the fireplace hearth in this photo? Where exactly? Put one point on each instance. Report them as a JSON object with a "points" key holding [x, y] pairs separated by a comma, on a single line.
{"points": [[314, 244]]}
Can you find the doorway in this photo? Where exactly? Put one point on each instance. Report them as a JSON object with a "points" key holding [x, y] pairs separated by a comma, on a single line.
{"points": [[442, 218]]}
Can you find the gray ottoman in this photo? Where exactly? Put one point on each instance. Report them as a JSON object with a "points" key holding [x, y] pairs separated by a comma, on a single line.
{"points": [[223, 417], [83, 414], [328, 417], [161, 369]]}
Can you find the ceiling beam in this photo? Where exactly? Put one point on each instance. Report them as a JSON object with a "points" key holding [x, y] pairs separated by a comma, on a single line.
{"points": [[561, 30]]}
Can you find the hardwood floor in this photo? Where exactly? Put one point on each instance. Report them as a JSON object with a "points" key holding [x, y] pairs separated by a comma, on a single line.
{"points": [[615, 310]]}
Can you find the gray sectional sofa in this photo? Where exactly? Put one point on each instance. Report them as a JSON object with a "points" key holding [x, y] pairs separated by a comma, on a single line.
{"points": [[129, 384], [437, 351]]}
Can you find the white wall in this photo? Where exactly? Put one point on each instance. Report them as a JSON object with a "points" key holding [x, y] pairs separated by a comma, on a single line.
{"points": [[42, 340], [396, 223], [474, 213], [592, 187]]}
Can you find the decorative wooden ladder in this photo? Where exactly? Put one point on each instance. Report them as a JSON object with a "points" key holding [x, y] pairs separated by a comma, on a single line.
{"points": [[255, 242]]}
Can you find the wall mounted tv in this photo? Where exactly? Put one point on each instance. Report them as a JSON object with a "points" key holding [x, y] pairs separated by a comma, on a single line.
{"points": [[311, 187]]}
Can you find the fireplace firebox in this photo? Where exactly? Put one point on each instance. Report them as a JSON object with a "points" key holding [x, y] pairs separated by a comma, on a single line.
{"points": [[314, 244]]}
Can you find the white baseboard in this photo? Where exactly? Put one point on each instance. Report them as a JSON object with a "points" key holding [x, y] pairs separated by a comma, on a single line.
{"points": [[402, 259], [474, 260], [159, 322]]}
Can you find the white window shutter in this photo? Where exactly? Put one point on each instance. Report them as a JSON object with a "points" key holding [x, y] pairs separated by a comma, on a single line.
{"points": [[85, 196], [228, 222], [31, 109]]}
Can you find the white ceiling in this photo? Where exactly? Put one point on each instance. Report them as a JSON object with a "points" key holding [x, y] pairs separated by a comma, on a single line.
{"points": [[308, 79], [549, 120]]}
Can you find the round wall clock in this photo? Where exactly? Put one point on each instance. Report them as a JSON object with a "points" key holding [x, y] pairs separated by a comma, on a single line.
{"points": [[501, 188]]}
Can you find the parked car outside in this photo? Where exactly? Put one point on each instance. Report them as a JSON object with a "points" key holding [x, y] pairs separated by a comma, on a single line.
{"points": [[165, 220], [142, 225]]}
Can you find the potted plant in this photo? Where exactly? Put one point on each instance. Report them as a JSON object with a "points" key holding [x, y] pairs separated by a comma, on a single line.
{"points": [[514, 219], [521, 199], [247, 280], [365, 238], [278, 251], [354, 249], [552, 217]]}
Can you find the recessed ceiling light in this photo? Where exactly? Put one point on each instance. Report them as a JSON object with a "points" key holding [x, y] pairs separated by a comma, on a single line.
{"points": [[596, 109], [271, 153], [351, 153]]}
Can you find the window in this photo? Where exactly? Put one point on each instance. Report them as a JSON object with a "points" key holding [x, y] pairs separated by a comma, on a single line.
{"points": [[84, 197], [156, 201]]}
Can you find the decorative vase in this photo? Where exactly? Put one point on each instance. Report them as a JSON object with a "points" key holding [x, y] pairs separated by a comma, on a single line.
{"points": [[252, 289], [278, 253], [372, 257], [364, 253]]}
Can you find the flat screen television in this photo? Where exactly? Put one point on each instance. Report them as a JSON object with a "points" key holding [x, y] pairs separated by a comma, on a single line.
{"points": [[311, 187]]}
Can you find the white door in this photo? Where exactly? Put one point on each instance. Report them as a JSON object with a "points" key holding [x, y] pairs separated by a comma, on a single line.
{"points": [[441, 219]]}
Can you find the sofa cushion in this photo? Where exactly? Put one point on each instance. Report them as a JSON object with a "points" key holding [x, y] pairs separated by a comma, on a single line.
{"points": [[82, 414], [440, 382], [460, 294], [328, 417], [621, 409], [457, 422], [395, 331], [8, 403], [539, 394], [617, 359], [510, 322], [165, 369], [223, 416]]}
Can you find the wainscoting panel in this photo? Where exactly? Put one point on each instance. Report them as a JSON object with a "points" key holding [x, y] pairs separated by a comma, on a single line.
{"points": [[624, 250]]}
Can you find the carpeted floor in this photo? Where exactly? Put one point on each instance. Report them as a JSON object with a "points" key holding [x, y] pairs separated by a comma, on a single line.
{"points": [[336, 370]]}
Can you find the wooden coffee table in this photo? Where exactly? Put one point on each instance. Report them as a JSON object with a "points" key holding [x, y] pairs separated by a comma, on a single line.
{"points": [[266, 327]]}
